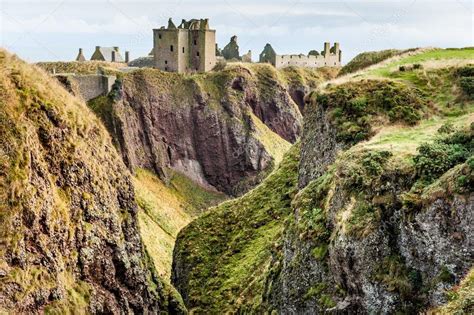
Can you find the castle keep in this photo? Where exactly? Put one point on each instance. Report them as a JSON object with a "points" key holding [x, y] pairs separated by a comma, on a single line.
{"points": [[189, 47], [329, 57]]}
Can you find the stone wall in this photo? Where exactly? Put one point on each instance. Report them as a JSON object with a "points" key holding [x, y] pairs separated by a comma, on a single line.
{"points": [[88, 86], [329, 57], [310, 61], [165, 59]]}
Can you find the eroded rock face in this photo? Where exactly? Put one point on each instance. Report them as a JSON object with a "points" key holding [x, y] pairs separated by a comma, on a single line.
{"points": [[202, 128], [394, 258], [70, 240]]}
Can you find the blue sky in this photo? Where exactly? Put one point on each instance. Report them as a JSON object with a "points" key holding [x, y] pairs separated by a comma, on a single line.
{"points": [[54, 29]]}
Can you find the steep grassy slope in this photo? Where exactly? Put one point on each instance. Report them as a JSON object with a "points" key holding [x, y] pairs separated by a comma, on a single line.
{"points": [[68, 218], [381, 222], [222, 258], [461, 298], [367, 59], [165, 209]]}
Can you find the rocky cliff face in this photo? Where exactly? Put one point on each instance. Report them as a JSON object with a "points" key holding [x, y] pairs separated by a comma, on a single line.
{"points": [[376, 228], [202, 125], [70, 241]]}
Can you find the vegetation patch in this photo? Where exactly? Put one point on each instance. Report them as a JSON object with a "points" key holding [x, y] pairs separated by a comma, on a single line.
{"points": [[434, 159], [366, 59], [460, 298], [356, 108]]}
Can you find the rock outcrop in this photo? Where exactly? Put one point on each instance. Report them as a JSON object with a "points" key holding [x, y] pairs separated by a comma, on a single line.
{"points": [[202, 125], [70, 241]]}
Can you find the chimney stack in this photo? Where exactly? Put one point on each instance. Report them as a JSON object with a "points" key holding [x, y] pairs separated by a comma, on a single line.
{"points": [[127, 56], [113, 55], [327, 48]]}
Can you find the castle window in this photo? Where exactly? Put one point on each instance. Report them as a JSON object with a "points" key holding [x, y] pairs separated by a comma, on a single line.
{"points": [[166, 62], [171, 47], [159, 36], [166, 68], [195, 42], [197, 54], [183, 50]]}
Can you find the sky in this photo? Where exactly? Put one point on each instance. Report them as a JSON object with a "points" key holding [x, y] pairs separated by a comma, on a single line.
{"points": [[48, 30]]}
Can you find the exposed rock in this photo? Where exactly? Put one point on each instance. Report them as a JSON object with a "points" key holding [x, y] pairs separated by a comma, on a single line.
{"points": [[201, 126]]}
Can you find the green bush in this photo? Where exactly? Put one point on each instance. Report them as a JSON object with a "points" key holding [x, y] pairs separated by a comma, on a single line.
{"points": [[433, 160], [467, 71], [467, 85], [355, 107], [446, 128]]}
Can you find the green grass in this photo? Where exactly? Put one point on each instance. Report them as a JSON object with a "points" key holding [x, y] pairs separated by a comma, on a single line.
{"points": [[460, 298], [366, 59], [431, 55], [227, 250]]}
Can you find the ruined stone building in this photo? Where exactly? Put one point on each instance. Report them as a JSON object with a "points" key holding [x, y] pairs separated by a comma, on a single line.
{"points": [[231, 51], [110, 54], [189, 47], [329, 57]]}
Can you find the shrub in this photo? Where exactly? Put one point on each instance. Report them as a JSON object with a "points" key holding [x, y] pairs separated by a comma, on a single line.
{"points": [[467, 85], [446, 128], [433, 160], [467, 71], [436, 158], [355, 107]]}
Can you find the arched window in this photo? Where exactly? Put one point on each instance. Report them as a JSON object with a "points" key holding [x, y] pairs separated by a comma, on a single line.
{"points": [[171, 47]]}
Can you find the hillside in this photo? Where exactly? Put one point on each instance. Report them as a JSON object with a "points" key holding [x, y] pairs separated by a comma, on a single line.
{"points": [[221, 259], [381, 218], [69, 228]]}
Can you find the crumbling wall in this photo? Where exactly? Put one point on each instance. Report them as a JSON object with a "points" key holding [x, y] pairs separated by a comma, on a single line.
{"points": [[87, 86]]}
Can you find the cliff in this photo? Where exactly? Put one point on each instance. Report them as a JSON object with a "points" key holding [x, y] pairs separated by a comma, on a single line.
{"points": [[225, 130], [70, 240], [379, 219]]}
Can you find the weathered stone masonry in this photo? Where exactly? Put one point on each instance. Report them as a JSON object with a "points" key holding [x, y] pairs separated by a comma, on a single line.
{"points": [[329, 57], [186, 48]]}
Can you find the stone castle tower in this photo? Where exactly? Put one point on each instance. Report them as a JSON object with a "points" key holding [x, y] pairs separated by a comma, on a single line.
{"points": [[189, 47]]}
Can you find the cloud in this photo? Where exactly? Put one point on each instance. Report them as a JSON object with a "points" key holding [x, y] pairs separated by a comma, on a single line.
{"points": [[118, 24]]}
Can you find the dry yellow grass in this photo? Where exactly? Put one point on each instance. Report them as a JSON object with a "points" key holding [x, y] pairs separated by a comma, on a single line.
{"points": [[165, 210], [275, 145]]}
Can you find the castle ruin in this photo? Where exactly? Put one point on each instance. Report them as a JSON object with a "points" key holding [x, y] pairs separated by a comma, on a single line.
{"points": [[329, 57], [189, 47]]}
